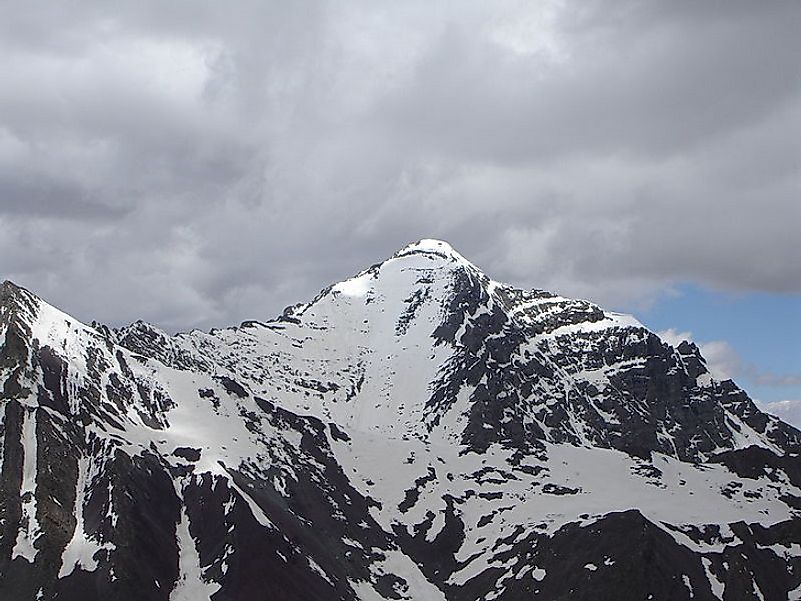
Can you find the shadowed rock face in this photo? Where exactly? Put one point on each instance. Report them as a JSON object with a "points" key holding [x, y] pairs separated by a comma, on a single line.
{"points": [[416, 432]]}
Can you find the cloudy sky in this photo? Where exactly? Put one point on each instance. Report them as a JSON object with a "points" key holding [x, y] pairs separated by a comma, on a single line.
{"points": [[199, 163]]}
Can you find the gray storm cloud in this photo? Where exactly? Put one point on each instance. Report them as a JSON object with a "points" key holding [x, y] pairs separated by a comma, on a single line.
{"points": [[196, 164]]}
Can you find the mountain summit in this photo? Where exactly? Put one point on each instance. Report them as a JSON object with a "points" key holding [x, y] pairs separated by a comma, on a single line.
{"points": [[418, 431]]}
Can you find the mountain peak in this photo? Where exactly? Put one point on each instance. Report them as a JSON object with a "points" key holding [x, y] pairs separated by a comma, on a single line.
{"points": [[431, 246]]}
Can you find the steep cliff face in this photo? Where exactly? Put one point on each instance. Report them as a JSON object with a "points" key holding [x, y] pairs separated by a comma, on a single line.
{"points": [[418, 431]]}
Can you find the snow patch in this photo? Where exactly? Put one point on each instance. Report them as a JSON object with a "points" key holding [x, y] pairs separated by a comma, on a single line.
{"points": [[29, 528], [717, 585], [357, 287], [80, 552], [190, 586]]}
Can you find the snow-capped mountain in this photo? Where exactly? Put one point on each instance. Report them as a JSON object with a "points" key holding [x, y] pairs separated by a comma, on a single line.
{"points": [[418, 431]]}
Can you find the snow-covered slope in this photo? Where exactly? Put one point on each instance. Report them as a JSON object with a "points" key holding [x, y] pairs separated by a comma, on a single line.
{"points": [[418, 431]]}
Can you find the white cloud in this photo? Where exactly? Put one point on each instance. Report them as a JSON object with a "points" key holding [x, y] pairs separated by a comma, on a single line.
{"points": [[722, 360], [789, 411], [674, 337]]}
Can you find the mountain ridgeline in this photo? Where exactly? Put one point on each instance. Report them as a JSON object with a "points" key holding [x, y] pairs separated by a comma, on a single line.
{"points": [[416, 432]]}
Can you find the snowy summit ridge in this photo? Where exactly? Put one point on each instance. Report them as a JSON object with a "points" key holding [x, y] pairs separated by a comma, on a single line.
{"points": [[418, 431], [433, 247]]}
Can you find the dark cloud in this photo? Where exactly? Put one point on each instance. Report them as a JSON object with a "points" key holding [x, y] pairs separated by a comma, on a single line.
{"points": [[31, 196], [195, 163]]}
